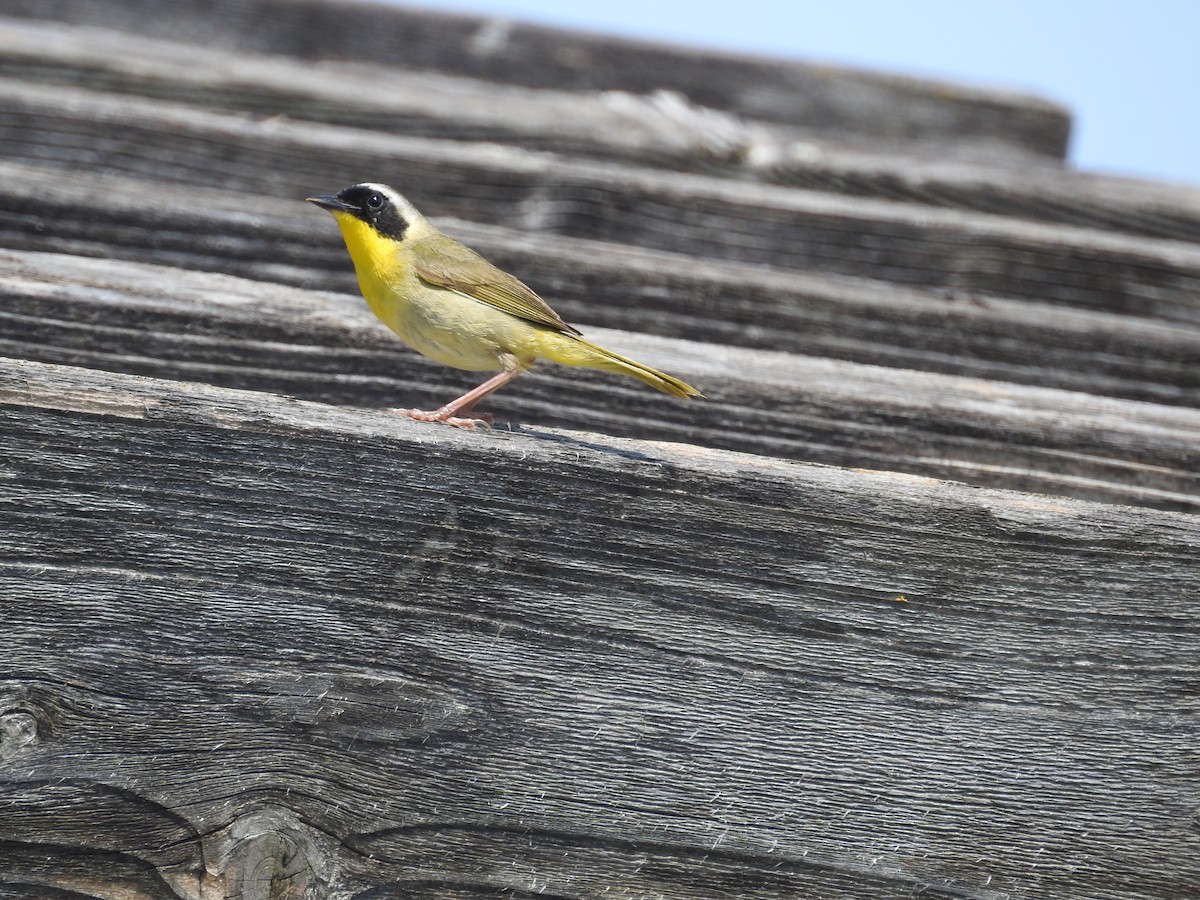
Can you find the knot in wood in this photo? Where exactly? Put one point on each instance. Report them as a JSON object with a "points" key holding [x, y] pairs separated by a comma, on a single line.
{"points": [[270, 855], [27, 716], [18, 730]]}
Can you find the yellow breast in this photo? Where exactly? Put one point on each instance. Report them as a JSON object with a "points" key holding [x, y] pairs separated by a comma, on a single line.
{"points": [[446, 326]]}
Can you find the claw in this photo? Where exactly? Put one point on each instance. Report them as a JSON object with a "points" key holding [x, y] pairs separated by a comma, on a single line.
{"points": [[483, 419]]}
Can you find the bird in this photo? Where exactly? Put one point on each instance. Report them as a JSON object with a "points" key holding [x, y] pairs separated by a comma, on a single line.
{"points": [[450, 304]]}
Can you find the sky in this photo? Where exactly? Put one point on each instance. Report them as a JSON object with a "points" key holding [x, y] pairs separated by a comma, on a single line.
{"points": [[1129, 70]]}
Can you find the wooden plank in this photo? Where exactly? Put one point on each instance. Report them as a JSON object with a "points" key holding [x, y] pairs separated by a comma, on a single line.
{"points": [[652, 129], [255, 646], [821, 97], [262, 647], [713, 218], [1037, 193], [661, 127], [193, 326], [604, 284]]}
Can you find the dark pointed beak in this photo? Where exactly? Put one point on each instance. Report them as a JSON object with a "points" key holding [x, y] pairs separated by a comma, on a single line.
{"points": [[333, 203]]}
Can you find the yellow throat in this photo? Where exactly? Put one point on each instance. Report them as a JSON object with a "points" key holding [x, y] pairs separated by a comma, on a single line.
{"points": [[378, 263]]}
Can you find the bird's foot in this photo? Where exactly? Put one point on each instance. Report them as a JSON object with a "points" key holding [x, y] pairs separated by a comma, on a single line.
{"points": [[476, 420]]}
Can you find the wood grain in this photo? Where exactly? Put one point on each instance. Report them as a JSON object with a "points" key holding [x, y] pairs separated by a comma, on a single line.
{"points": [[713, 218], [906, 244], [411, 680], [260, 639], [822, 97], [661, 128], [602, 283], [219, 330]]}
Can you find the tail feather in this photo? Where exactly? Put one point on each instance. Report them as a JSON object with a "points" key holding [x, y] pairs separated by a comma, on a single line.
{"points": [[596, 357]]}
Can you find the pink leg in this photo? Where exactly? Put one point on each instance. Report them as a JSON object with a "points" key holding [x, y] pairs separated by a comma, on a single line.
{"points": [[450, 412]]}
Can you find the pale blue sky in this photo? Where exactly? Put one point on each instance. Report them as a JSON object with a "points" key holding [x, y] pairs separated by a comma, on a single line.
{"points": [[1128, 69]]}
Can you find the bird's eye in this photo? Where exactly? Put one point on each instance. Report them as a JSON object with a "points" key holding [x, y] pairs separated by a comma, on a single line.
{"points": [[375, 201]]}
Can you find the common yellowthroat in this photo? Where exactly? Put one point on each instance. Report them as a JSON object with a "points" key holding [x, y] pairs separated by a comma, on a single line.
{"points": [[449, 303]]}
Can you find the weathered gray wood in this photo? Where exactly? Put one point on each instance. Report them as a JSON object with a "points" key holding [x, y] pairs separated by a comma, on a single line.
{"points": [[253, 645], [1035, 192], [710, 217], [604, 284], [258, 647], [821, 97], [659, 128], [192, 326]]}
